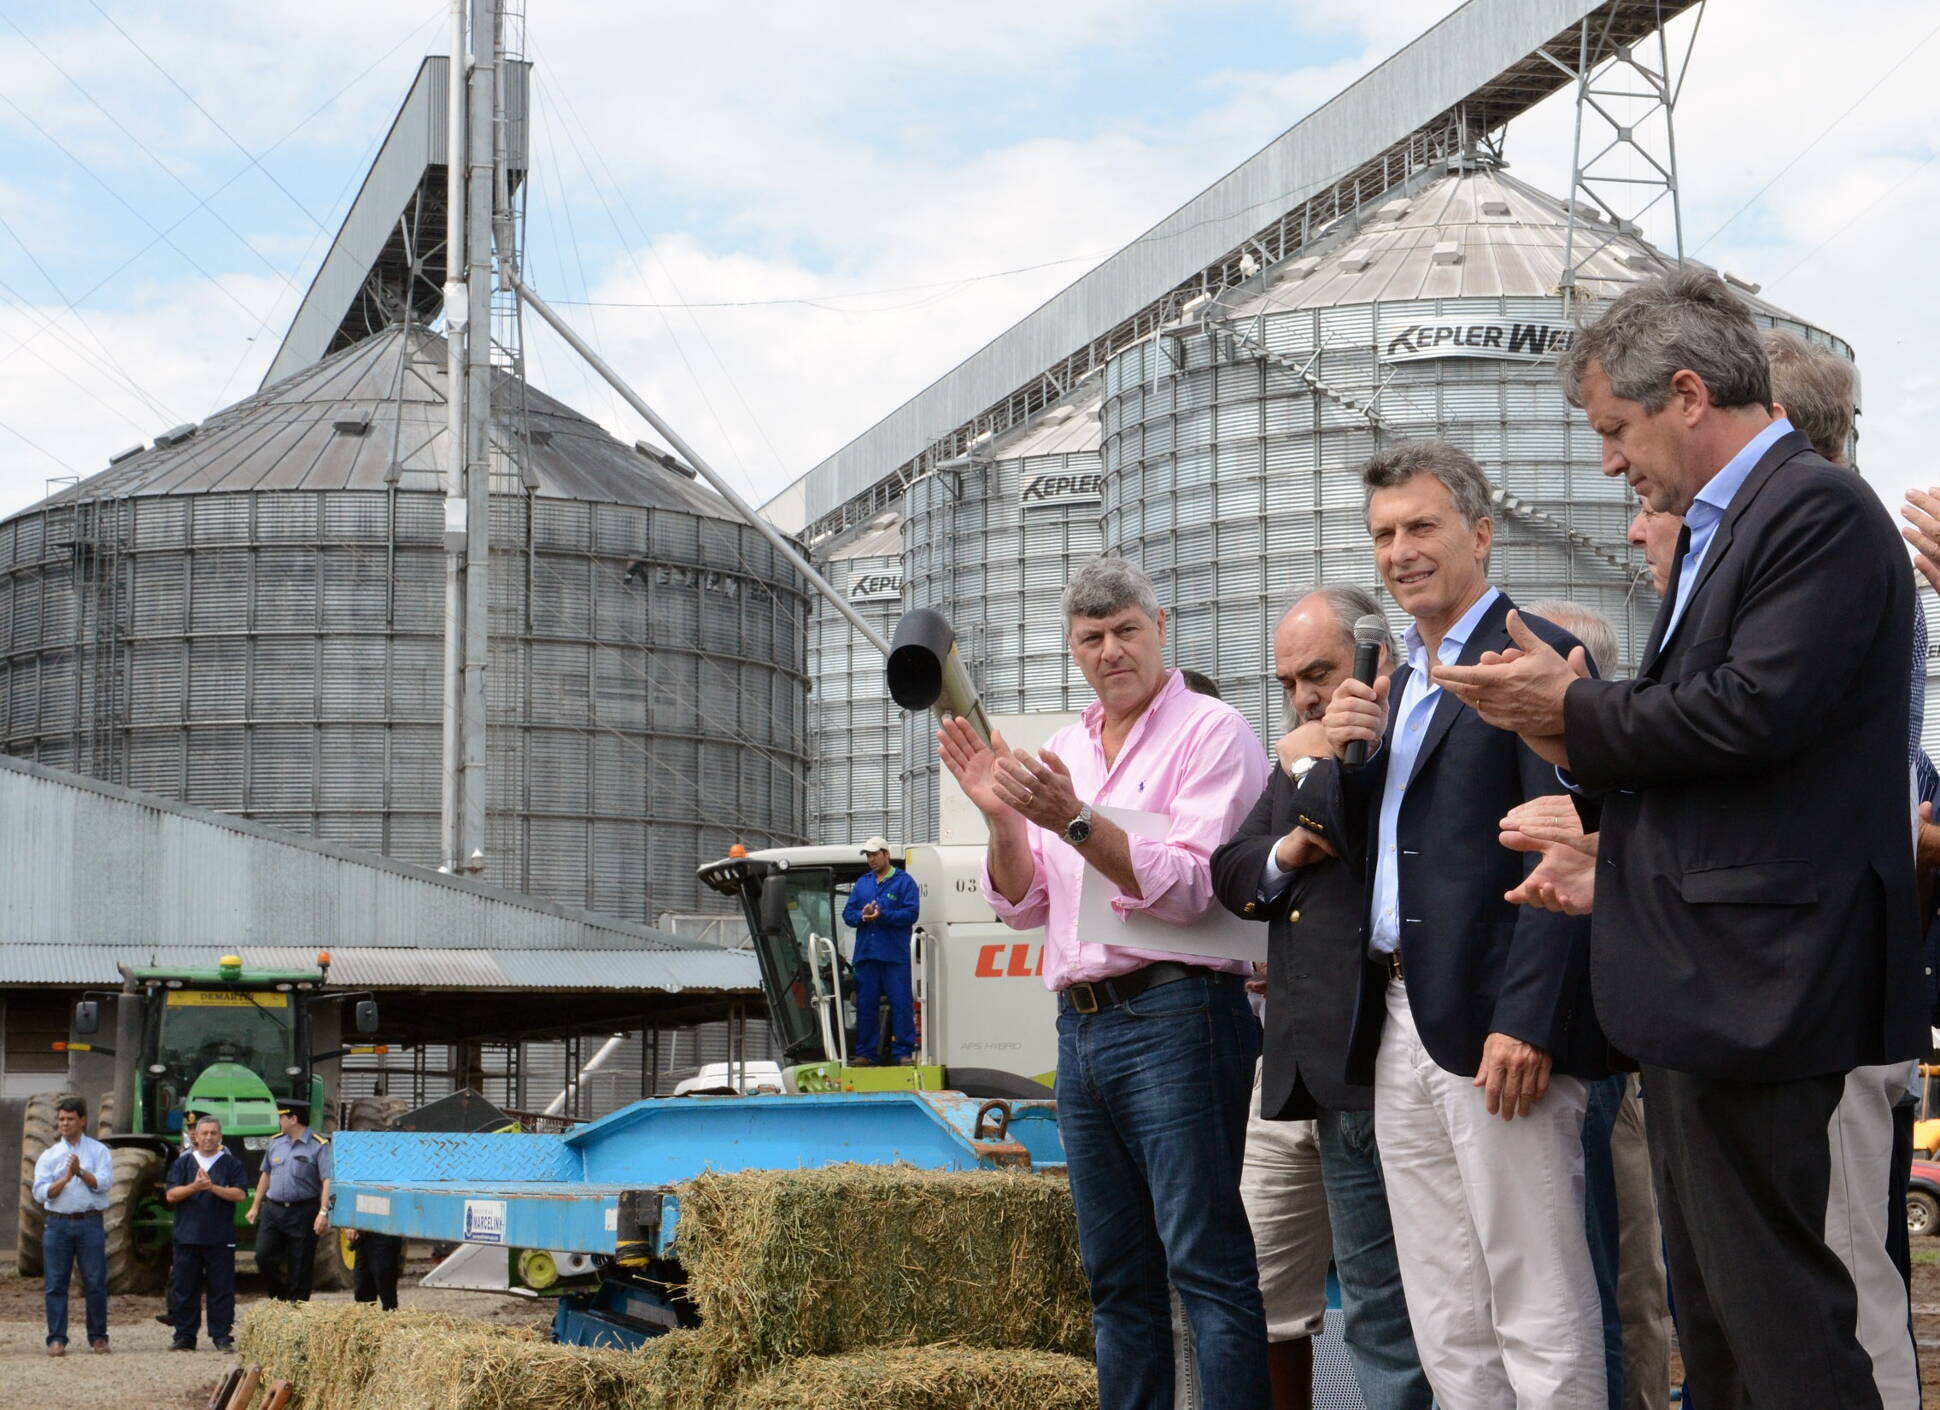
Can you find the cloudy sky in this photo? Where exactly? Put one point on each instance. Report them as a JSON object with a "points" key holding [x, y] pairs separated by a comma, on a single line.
{"points": [[780, 220]]}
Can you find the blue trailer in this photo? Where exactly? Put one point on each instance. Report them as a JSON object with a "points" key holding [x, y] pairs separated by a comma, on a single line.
{"points": [[603, 1196]]}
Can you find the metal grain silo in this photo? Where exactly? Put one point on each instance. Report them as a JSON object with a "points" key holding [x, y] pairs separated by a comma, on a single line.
{"points": [[855, 729], [249, 616], [1232, 440], [990, 542]]}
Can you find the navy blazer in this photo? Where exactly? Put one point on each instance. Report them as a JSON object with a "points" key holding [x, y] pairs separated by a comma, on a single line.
{"points": [[1476, 963], [1756, 917]]}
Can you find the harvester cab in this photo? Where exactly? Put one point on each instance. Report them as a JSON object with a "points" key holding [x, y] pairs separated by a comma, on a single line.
{"points": [[226, 1041], [985, 1023]]}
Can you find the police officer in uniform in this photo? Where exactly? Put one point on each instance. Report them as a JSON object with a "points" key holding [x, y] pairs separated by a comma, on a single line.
{"points": [[292, 1196]]}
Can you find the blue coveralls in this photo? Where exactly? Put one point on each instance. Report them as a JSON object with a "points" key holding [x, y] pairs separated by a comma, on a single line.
{"points": [[881, 960], [205, 1250]]}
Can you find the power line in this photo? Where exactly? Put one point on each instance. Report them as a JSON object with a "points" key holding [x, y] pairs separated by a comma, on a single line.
{"points": [[146, 151], [213, 120], [131, 208], [1824, 132], [734, 386], [23, 436], [820, 301], [73, 307], [1858, 216], [74, 304]]}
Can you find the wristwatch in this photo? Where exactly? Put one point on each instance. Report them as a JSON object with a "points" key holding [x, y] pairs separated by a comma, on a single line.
{"points": [[1079, 828], [1301, 767]]}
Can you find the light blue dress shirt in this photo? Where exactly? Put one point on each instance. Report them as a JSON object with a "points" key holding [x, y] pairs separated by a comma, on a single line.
{"points": [[1411, 716], [1707, 512], [75, 1196]]}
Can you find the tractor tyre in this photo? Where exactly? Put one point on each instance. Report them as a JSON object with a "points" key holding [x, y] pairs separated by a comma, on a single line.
{"points": [[137, 1263], [376, 1113], [104, 1117], [37, 1133]]}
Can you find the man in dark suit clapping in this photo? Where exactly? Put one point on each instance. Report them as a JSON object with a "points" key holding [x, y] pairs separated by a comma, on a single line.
{"points": [[1756, 934]]}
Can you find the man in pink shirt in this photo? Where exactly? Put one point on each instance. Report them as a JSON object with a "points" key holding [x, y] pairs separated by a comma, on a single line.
{"points": [[1155, 1046]]}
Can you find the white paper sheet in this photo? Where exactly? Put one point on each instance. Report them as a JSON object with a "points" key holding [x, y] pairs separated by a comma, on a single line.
{"points": [[1218, 933]]}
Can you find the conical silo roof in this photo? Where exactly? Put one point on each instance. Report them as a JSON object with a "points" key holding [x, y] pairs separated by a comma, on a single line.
{"points": [[373, 416], [1475, 233]]}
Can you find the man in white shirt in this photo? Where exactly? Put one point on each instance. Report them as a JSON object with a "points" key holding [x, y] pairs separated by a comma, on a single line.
{"points": [[71, 1181]]}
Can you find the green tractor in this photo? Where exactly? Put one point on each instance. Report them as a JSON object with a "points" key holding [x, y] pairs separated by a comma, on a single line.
{"points": [[226, 1040]]}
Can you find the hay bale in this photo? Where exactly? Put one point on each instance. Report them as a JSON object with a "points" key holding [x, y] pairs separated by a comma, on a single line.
{"points": [[928, 1378], [849, 1258], [480, 1369], [683, 1370], [329, 1350]]}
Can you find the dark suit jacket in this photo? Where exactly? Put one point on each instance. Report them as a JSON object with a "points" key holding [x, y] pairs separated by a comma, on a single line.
{"points": [[1755, 907], [1315, 952], [1475, 963]]}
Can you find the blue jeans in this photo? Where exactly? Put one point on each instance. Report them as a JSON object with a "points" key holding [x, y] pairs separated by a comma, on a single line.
{"points": [[875, 979], [65, 1242], [1152, 1097], [1374, 1310], [1600, 1218]]}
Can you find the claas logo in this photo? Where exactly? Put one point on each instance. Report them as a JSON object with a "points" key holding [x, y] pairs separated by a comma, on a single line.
{"points": [[1010, 962]]}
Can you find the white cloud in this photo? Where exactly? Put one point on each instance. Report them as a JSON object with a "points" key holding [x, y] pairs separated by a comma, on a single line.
{"points": [[809, 152]]}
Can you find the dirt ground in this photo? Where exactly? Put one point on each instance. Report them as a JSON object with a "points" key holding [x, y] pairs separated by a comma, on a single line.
{"points": [[1926, 1318], [141, 1370]]}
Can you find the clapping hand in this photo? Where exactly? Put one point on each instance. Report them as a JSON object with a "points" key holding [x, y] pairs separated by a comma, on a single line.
{"points": [[1520, 690], [871, 911], [1565, 879]]}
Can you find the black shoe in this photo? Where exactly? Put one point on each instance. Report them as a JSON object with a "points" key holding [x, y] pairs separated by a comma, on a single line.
{"points": [[165, 1319], [181, 1346], [224, 1344]]}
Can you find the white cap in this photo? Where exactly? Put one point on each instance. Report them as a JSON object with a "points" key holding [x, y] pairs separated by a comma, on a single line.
{"points": [[877, 843]]}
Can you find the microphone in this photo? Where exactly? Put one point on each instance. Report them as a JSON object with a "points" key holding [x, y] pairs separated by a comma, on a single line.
{"points": [[1369, 633]]}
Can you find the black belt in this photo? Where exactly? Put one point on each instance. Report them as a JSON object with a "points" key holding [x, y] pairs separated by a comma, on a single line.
{"points": [[84, 1214], [1089, 997], [293, 1203]]}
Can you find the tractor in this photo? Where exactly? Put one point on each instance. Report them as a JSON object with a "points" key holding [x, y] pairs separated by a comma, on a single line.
{"points": [[226, 1040]]}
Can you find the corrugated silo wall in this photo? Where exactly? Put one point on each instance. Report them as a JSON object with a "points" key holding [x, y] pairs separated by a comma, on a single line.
{"points": [[1235, 484], [991, 547], [855, 729], [278, 655]]}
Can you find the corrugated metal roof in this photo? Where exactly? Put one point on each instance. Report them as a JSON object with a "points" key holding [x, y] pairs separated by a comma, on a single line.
{"points": [[881, 537], [286, 437], [370, 251], [666, 971], [1069, 428], [1474, 234], [88, 863]]}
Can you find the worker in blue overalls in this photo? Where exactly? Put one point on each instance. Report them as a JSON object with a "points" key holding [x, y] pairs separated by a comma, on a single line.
{"points": [[882, 908]]}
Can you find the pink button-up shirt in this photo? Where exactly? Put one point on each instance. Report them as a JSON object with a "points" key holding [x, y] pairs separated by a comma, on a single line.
{"points": [[1191, 757]]}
